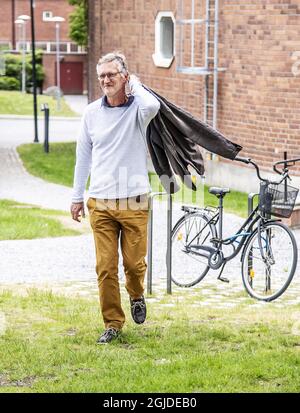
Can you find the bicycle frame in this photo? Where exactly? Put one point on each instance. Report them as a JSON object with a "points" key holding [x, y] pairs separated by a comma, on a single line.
{"points": [[244, 232]]}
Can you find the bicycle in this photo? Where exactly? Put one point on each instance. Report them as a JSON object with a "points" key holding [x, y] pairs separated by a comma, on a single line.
{"points": [[269, 250]]}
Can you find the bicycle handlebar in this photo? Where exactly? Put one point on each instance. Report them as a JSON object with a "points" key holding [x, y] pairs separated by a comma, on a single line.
{"points": [[284, 173], [247, 161], [241, 159], [286, 163]]}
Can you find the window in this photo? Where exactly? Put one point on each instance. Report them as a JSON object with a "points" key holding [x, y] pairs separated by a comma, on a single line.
{"points": [[74, 47], [41, 45], [47, 15], [164, 39]]}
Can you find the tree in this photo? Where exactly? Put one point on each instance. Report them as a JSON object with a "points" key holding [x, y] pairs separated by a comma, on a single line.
{"points": [[79, 22]]}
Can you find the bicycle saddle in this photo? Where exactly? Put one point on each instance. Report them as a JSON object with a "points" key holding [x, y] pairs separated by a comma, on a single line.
{"points": [[218, 191]]}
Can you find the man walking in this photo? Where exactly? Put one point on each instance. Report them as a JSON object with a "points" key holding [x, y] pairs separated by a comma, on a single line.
{"points": [[111, 148]]}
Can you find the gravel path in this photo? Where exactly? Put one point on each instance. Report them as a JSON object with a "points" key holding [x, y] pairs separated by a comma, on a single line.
{"points": [[70, 260]]}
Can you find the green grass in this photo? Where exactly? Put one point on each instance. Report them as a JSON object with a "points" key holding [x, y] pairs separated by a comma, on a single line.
{"points": [[17, 103], [22, 221], [49, 346], [58, 167]]}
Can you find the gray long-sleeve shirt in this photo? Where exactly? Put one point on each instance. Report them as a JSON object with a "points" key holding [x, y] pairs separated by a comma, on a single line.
{"points": [[111, 147]]}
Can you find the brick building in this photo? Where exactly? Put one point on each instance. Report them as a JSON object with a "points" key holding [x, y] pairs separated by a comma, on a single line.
{"points": [[73, 60], [258, 43]]}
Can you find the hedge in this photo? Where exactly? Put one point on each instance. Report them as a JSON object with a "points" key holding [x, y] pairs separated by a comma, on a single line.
{"points": [[9, 83], [13, 70]]}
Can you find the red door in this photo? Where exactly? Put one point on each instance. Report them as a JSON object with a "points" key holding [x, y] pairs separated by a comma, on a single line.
{"points": [[71, 78]]}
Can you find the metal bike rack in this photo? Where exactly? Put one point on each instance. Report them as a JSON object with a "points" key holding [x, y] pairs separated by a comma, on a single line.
{"points": [[250, 201], [250, 210], [150, 243]]}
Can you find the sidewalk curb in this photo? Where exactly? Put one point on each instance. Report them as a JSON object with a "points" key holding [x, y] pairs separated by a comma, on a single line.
{"points": [[30, 117]]}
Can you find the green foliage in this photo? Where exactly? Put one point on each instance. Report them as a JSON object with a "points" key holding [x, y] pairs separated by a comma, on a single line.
{"points": [[19, 221], [13, 65], [76, 2], [56, 166], [18, 103], [79, 22], [4, 47], [40, 73], [9, 83], [13, 69]]}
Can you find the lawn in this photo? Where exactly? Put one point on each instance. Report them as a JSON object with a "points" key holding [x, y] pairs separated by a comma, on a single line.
{"points": [[22, 221], [17, 103], [47, 344], [58, 167]]}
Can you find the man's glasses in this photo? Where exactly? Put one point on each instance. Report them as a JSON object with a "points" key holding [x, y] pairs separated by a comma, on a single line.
{"points": [[109, 75]]}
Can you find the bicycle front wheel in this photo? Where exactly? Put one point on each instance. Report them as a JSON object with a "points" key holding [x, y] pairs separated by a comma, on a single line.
{"points": [[269, 261], [191, 231]]}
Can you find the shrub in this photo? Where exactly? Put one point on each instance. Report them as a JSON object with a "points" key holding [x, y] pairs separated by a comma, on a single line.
{"points": [[13, 69], [9, 83]]}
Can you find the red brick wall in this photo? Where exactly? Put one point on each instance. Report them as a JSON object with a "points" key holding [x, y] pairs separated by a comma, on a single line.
{"points": [[43, 30], [5, 21], [46, 30], [259, 97]]}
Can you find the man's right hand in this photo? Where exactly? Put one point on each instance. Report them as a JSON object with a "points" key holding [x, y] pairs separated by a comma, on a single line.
{"points": [[77, 211]]}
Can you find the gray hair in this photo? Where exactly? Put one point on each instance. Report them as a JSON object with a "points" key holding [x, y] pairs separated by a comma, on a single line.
{"points": [[117, 57]]}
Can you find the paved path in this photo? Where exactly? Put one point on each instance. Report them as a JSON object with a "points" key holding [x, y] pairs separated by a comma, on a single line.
{"points": [[15, 182], [15, 131], [69, 261], [77, 102], [19, 185]]}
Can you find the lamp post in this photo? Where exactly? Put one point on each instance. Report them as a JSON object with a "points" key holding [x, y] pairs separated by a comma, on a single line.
{"points": [[32, 7], [21, 25], [57, 20], [21, 20]]}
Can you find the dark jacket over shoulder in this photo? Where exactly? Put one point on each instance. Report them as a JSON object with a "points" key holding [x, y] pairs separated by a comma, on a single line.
{"points": [[174, 138]]}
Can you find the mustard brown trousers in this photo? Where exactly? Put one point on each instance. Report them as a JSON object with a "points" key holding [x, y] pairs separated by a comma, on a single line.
{"points": [[125, 219]]}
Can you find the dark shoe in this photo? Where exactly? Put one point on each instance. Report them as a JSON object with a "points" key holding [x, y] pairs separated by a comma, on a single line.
{"points": [[138, 310], [108, 335]]}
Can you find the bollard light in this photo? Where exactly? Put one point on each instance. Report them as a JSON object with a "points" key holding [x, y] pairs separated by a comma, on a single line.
{"points": [[45, 109]]}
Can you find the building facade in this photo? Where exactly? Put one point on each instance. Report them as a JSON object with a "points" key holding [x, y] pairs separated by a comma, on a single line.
{"points": [[73, 58], [173, 49]]}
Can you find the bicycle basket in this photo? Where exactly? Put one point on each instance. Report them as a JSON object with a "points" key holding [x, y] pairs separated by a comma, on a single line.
{"points": [[277, 199]]}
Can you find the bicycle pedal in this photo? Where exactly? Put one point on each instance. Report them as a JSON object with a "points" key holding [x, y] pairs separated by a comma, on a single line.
{"points": [[225, 280]]}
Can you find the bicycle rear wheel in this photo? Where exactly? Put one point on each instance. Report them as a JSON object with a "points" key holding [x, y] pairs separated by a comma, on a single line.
{"points": [[192, 230], [269, 266]]}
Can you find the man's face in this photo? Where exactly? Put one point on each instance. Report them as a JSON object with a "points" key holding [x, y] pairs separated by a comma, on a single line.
{"points": [[112, 82]]}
